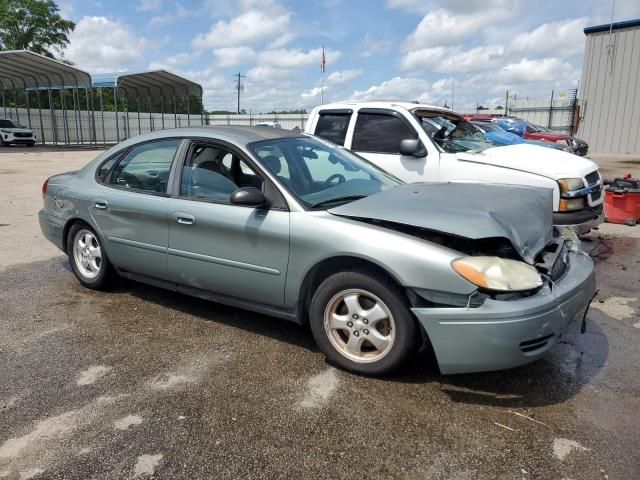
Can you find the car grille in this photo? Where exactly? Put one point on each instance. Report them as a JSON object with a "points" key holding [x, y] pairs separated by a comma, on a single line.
{"points": [[22, 135], [561, 265], [531, 345], [592, 178]]}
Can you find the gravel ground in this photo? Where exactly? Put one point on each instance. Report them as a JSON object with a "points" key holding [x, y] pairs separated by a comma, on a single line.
{"points": [[142, 383]]}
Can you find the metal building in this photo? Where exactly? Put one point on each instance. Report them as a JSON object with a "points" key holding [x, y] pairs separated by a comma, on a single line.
{"points": [[610, 88]]}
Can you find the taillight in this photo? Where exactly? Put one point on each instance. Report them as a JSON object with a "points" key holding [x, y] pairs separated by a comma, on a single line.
{"points": [[44, 187]]}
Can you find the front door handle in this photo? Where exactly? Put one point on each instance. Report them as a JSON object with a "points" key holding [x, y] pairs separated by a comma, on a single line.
{"points": [[184, 218], [101, 204]]}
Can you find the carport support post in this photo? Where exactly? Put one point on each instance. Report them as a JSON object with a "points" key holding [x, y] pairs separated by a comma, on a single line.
{"points": [[40, 112], [104, 135], [151, 125], [4, 105], [91, 119], [115, 108], [127, 127], [65, 119], [550, 111], [75, 111], [79, 115], [162, 108], [139, 124], [175, 112], [54, 124], [26, 94]]}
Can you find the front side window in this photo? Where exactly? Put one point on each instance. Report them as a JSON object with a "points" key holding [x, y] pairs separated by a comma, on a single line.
{"points": [[213, 173], [380, 133], [333, 126], [146, 167], [7, 124], [320, 174], [452, 132]]}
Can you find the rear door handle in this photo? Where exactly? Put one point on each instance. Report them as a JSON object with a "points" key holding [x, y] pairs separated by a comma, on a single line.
{"points": [[101, 204], [184, 218]]}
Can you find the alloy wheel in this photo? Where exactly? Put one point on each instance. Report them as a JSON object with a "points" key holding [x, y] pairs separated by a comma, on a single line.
{"points": [[359, 325]]}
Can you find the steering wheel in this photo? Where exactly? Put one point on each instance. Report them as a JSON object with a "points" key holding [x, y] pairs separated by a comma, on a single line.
{"points": [[338, 176]]}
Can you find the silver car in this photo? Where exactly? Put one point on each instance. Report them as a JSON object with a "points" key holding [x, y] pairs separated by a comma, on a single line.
{"points": [[295, 227]]}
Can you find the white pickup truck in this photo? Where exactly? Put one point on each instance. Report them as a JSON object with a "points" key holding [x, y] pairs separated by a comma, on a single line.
{"points": [[423, 143]]}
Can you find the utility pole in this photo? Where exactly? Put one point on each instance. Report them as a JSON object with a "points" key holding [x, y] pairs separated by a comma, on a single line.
{"points": [[453, 92], [239, 87], [506, 103]]}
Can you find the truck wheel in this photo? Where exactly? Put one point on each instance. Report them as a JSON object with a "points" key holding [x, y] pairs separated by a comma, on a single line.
{"points": [[361, 322]]}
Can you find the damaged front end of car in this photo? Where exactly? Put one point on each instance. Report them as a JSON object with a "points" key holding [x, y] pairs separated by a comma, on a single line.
{"points": [[530, 280]]}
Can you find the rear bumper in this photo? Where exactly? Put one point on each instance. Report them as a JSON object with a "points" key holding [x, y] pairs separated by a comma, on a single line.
{"points": [[505, 334], [52, 228], [582, 221]]}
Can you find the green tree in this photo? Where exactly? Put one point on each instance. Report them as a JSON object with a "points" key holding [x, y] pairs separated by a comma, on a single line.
{"points": [[33, 25]]}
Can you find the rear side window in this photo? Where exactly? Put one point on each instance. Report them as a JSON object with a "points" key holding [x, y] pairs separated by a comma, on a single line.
{"points": [[103, 170], [380, 133], [146, 167], [333, 126]]}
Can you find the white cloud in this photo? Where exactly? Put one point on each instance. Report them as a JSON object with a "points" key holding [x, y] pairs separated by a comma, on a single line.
{"points": [[234, 56], [455, 6], [453, 59], [292, 58], [532, 71], [398, 88], [149, 5], [313, 93], [169, 17], [167, 63], [268, 75], [100, 44], [371, 46], [281, 41], [343, 76], [440, 27], [249, 28], [564, 38]]}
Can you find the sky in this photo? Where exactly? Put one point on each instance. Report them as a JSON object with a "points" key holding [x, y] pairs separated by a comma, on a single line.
{"points": [[467, 52]]}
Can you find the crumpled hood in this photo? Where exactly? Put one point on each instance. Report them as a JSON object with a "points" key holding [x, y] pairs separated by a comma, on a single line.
{"points": [[547, 162], [523, 215]]}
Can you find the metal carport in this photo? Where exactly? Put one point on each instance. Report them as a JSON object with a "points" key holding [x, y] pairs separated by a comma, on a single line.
{"points": [[34, 73], [148, 85]]}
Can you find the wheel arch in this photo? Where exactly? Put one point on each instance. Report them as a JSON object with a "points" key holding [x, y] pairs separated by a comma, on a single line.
{"points": [[327, 267]]}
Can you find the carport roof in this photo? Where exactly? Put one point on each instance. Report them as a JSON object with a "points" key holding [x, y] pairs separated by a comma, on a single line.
{"points": [[156, 81], [22, 68]]}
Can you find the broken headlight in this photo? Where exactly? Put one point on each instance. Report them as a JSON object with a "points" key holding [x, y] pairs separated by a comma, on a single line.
{"points": [[495, 273]]}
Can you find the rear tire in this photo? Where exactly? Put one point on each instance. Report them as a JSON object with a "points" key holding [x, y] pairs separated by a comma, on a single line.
{"points": [[361, 322], [88, 258]]}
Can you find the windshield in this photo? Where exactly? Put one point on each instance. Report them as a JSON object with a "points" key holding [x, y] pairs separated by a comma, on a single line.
{"points": [[487, 127], [452, 133], [321, 174]]}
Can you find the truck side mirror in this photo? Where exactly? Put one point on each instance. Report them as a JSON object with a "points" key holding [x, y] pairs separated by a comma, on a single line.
{"points": [[412, 147]]}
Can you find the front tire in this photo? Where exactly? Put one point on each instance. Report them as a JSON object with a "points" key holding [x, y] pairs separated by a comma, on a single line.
{"points": [[361, 322], [88, 258]]}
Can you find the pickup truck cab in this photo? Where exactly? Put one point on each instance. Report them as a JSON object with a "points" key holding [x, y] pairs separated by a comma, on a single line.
{"points": [[424, 143]]}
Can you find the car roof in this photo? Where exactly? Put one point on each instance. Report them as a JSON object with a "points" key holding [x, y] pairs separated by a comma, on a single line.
{"points": [[408, 105], [239, 134]]}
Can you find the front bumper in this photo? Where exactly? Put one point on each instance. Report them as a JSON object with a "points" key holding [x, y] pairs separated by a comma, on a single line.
{"points": [[52, 228], [507, 333], [581, 221]]}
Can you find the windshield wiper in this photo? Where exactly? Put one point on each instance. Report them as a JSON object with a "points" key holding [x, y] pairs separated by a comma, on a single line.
{"points": [[345, 199]]}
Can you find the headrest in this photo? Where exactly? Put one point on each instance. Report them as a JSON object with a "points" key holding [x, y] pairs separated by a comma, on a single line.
{"points": [[272, 163]]}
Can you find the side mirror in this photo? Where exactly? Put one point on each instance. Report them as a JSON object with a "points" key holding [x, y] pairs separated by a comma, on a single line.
{"points": [[248, 196], [412, 147]]}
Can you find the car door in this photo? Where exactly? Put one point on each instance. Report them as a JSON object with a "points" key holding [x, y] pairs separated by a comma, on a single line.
{"points": [[377, 136], [129, 206], [228, 249]]}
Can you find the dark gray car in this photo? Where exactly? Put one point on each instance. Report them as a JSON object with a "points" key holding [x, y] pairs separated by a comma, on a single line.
{"points": [[292, 226]]}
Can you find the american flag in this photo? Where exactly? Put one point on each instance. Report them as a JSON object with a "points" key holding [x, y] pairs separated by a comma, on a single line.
{"points": [[323, 63]]}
